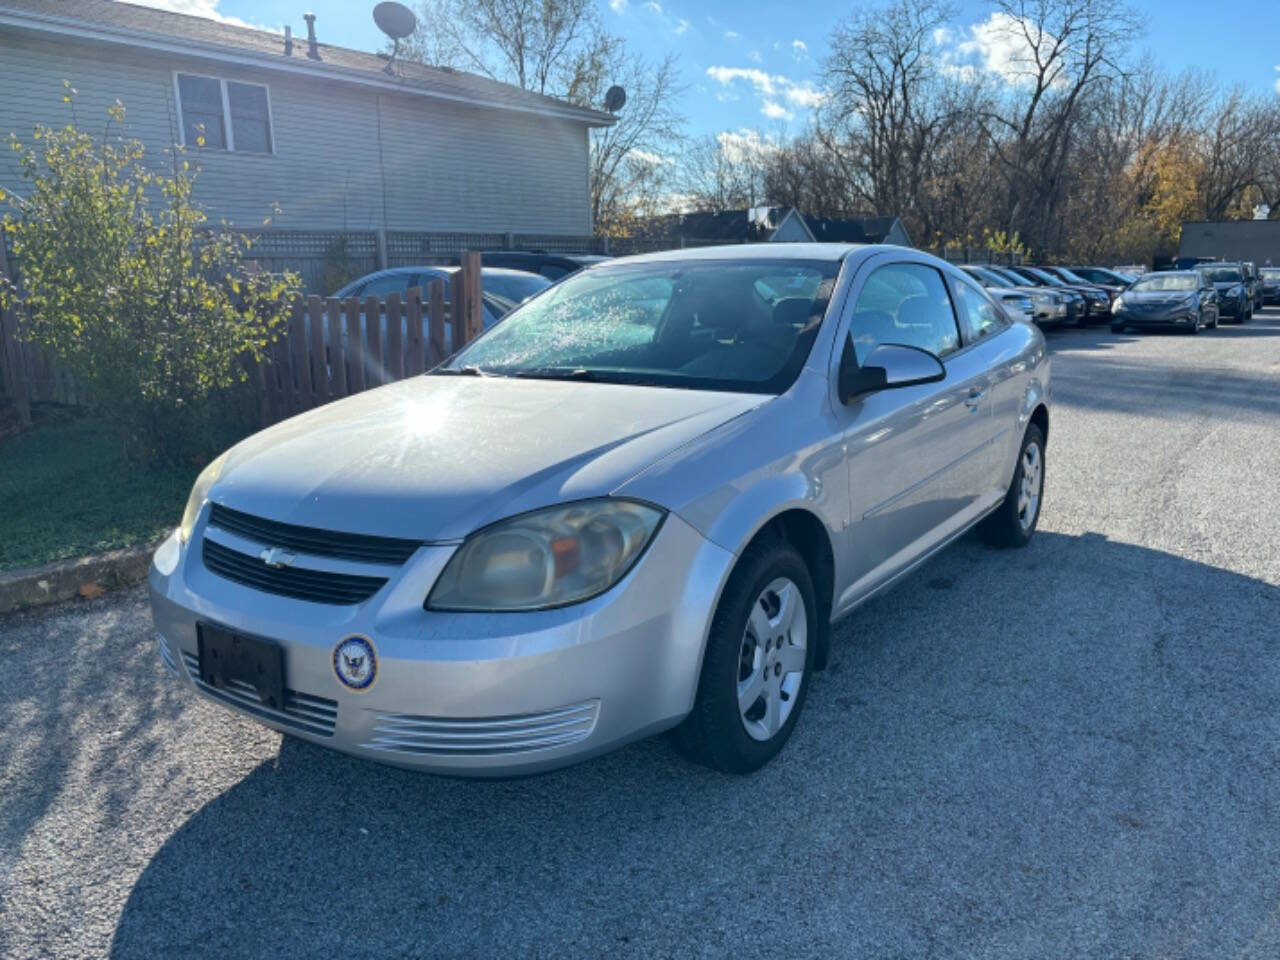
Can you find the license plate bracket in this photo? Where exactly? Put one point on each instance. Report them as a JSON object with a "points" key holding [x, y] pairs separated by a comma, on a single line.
{"points": [[227, 656]]}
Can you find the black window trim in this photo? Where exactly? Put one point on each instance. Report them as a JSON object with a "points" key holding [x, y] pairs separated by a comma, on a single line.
{"points": [[229, 134]]}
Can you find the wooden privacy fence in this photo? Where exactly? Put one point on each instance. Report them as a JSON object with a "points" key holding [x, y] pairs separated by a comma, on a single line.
{"points": [[335, 348], [330, 349]]}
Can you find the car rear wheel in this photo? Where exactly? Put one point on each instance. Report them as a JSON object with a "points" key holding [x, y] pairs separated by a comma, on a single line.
{"points": [[1014, 522], [757, 665]]}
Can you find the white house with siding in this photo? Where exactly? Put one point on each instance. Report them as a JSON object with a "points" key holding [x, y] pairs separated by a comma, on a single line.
{"points": [[323, 133]]}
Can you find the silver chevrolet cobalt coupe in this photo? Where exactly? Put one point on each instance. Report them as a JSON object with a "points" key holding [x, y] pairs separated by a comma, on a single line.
{"points": [[637, 504]]}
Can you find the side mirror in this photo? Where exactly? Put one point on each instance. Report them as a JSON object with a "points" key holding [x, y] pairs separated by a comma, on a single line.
{"points": [[887, 367]]}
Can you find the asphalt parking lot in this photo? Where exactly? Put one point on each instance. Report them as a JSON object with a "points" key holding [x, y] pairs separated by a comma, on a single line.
{"points": [[1066, 751]]}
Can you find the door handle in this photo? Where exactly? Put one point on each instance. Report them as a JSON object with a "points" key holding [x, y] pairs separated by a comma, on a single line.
{"points": [[974, 398]]}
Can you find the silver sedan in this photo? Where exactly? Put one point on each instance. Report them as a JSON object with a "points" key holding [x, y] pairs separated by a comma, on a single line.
{"points": [[636, 505]]}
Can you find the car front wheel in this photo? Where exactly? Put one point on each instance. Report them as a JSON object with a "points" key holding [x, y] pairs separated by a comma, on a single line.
{"points": [[757, 665], [1014, 522]]}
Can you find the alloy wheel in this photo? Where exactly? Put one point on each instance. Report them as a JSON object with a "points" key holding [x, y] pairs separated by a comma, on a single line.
{"points": [[771, 662], [1032, 480]]}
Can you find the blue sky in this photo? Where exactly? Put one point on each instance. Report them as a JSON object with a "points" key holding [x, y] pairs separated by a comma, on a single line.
{"points": [[754, 65]]}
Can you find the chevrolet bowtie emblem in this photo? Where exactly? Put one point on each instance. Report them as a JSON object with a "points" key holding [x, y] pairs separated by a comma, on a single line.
{"points": [[276, 557]]}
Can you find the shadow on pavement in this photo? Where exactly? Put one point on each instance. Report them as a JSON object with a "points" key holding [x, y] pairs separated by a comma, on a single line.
{"points": [[1066, 750]]}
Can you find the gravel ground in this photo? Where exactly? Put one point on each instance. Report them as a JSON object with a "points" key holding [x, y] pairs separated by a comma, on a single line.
{"points": [[1065, 751]]}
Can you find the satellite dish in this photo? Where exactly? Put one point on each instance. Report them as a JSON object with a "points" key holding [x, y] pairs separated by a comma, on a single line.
{"points": [[394, 19], [615, 99]]}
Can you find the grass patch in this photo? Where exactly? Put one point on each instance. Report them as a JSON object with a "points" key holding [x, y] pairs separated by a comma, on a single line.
{"points": [[67, 490]]}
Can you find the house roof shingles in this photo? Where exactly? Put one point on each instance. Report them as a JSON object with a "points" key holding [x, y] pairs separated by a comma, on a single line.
{"points": [[133, 25]]}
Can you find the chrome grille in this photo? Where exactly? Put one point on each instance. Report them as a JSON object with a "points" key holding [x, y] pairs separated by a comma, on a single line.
{"points": [[318, 586], [483, 736], [302, 711], [319, 543]]}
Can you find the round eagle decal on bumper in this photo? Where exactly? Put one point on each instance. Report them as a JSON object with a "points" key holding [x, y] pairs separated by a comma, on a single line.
{"points": [[355, 663]]}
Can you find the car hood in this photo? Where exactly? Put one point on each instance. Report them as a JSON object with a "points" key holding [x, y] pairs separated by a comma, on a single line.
{"points": [[435, 457], [1158, 296]]}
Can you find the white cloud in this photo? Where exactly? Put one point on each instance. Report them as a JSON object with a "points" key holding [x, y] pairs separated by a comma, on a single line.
{"points": [[799, 50], [754, 56], [731, 34], [618, 6], [681, 25], [805, 95], [765, 83], [653, 7], [1278, 78], [775, 111], [771, 88], [744, 144], [646, 156], [203, 8], [1001, 44], [726, 96]]}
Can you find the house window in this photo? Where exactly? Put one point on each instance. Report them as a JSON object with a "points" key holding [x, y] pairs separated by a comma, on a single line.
{"points": [[228, 114]]}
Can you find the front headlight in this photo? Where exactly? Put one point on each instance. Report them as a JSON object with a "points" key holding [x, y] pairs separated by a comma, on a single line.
{"points": [[548, 558], [1118, 305], [1044, 299], [199, 493]]}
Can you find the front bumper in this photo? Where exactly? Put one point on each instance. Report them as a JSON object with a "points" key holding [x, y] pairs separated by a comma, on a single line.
{"points": [[1180, 317], [464, 693]]}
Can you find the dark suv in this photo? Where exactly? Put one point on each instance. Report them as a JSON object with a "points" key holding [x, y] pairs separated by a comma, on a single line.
{"points": [[1270, 277], [1235, 301]]}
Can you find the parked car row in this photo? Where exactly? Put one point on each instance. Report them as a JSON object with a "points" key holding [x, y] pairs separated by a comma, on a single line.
{"points": [[1204, 295]]}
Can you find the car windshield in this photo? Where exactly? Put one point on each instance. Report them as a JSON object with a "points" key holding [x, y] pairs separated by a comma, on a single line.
{"points": [[513, 284], [1048, 278], [1013, 279], [1172, 281], [1270, 273], [1071, 276], [985, 277], [712, 325], [1221, 274]]}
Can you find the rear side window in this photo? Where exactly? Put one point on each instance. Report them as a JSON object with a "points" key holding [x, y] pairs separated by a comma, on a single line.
{"points": [[907, 304], [978, 315]]}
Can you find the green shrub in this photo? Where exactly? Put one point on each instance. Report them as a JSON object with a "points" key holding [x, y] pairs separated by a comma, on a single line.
{"points": [[122, 278]]}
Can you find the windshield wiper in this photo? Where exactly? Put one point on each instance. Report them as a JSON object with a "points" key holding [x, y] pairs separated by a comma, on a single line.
{"points": [[465, 372], [559, 373]]}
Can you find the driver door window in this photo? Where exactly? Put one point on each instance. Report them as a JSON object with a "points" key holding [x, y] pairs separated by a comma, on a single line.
{"points": [[907, 304]]}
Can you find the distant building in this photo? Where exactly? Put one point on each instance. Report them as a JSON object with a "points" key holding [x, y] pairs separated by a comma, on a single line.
{"points": [[858, 230], [1255, 240], [754, 225], [319, 137]]}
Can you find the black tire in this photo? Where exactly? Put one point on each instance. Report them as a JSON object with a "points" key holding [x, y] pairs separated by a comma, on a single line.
{"points": [[1117, 328], [1004, 527], [1214, 325], [714, 734], [1195, 327]]}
